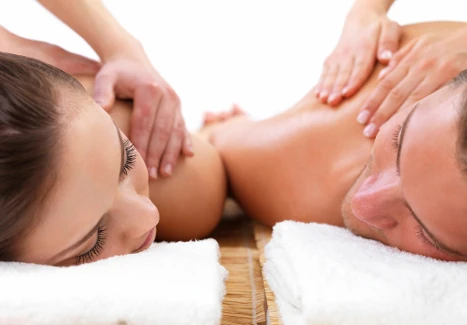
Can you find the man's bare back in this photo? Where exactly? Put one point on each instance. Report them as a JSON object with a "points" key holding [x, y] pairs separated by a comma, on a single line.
{"points": [[299, 165]]}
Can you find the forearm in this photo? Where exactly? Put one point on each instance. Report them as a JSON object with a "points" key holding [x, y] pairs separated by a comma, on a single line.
{"points": [[91, 20]]}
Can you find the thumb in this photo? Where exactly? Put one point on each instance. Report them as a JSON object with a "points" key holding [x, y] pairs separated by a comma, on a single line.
{"points": [[104, 94], [388, 41]]}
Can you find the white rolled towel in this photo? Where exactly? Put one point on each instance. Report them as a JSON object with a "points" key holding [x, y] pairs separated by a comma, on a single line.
{"points": [[322, 274], [168, 284]]}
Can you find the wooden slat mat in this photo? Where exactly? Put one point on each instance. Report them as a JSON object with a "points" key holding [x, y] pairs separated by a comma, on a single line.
{"points": [[244, 302], [263, 236]]}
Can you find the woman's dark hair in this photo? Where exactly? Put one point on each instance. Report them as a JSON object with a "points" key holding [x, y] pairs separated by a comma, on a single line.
{"points": [[31, 121]]}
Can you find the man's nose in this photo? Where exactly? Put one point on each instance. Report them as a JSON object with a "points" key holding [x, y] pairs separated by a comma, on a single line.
{"points": [[135, 214], [378, 200]]}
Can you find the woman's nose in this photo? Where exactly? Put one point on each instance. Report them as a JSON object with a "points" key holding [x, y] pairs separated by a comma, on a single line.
{"points": [[135, 214], [377, 202]]}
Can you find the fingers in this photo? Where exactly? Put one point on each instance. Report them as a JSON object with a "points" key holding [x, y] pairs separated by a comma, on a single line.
{"points": [[319, 85], [389, 85], [104, 94], [187, 148], [165, 133], [361, 70], [390, 89], [328, 82], [396, 59], [174, 147], [388, 41], [341, 80], [146, 104], [393, 101]]}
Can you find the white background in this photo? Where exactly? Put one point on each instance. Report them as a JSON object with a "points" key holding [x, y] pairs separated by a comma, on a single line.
{"points": [[263, 55]]}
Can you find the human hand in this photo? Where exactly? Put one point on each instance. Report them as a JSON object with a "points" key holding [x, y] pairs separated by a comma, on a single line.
{"points": [[157, 127], [415, 71], [49, 53], [368, 35]]}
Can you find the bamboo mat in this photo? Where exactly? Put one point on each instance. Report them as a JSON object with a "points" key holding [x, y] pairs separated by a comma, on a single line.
{"points": [[244, 302], [262, 237]]}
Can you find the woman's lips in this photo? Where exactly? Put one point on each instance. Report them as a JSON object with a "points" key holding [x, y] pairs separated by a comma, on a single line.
{"points": [[149, 240]]}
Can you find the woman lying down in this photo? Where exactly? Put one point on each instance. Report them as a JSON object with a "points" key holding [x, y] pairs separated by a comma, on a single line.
{"points": [[74, 190]]}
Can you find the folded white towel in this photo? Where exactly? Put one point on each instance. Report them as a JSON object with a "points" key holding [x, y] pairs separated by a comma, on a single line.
{"points": [[322, 274], [168, 284]]}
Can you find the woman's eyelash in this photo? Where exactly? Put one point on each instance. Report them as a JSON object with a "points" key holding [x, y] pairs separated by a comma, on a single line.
{"points": [[130, 153], [395, 137], [97, 248], [420, 234]]}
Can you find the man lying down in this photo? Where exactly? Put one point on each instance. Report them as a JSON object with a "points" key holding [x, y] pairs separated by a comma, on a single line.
{"points": [[74, 190]]}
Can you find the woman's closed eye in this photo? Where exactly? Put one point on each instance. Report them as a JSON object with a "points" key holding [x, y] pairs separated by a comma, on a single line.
{"points": [[130, 157], [91, 254]]}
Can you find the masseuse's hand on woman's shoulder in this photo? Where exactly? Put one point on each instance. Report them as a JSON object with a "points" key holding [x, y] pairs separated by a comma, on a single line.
{"points": [[415, 71], [157, 127], [368, 35], [158, 130]]}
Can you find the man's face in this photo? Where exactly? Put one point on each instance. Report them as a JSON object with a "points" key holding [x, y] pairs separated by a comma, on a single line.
{"points": [[412, 193]]}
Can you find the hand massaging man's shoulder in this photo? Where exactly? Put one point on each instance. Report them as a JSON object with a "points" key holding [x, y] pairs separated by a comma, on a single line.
{"points": [[192, 200], [300, 164]]}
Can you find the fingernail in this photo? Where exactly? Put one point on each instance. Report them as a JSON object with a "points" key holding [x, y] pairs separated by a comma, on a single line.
{"points": [[363, 116], [323, 94], [153, 172], [345, 90], [370, 130], [332, 97], [382, 73], [190, 148], [168, 169], [386, 55]]}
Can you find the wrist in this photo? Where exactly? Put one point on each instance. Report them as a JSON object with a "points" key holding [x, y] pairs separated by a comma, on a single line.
{"points": [[121, 46]]}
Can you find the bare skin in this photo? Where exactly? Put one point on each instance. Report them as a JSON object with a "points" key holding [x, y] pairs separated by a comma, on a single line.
{"points": [[311, 163], [298, 165], [308, 157], [191, 201]]}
